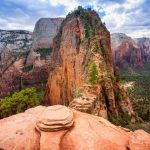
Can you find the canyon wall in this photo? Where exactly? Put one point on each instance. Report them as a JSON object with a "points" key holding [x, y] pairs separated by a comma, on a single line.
{"points": [[126, 51], [13, 45], [43, 34], [144, 44], [25, 57], [82, 74]]}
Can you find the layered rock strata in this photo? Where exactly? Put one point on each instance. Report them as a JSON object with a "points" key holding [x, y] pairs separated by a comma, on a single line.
{"points": [[126, 51], [144, 43], [10, 79], [44, 32], [55, 118], [13, 45], [84, 132], [18, 45]]}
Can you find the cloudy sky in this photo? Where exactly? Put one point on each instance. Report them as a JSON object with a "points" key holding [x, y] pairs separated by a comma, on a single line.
{"points": [[128, 16]]}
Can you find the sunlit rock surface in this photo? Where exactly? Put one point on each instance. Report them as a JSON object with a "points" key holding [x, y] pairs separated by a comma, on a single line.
{"points": [[36, 129]]}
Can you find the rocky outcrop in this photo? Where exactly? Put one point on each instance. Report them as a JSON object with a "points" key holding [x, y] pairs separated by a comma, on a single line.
{"points": [[10, 79], [82, 74], [61, 128], [40, 54], [144, 43], [43, 34], [13, 44], [15, 41], [52, 121], [14, 47], [37, 77], [126, 52]]}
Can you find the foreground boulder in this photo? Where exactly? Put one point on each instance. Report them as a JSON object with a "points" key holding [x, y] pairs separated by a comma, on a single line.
{"points": [[61, 128]]}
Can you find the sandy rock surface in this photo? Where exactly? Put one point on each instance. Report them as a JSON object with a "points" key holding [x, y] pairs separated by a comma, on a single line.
{"points": [[66, 129]]}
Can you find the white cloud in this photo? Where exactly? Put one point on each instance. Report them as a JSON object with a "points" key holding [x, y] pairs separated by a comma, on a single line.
{"points": [[130, 4], [127, 18], [13, 25], [139, 33], [121, 15]]}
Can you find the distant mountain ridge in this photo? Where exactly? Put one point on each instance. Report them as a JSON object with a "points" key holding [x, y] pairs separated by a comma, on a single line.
{"points": [[13, 44], [24, 56], [128, 52], [144, 43], [43, 34]]}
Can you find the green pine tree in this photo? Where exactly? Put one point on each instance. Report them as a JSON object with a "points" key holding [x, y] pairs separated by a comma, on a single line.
{"points": [[93, 77]]}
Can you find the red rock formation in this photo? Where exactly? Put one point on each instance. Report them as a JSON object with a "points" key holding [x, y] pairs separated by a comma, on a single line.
{"points": [[44, 32], [14, 79], [82, 68], [61, 128], [144, 44], [9, 81], [126, 52], [35, 78]]}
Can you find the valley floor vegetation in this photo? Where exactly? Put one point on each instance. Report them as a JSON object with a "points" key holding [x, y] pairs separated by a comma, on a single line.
{"points": [[137, 84]]}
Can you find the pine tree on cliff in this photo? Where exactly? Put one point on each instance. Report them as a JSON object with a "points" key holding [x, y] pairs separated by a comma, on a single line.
{"points": [[93, 74]]}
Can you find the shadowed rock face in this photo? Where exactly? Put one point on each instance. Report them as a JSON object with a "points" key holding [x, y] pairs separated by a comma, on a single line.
{"points": [[126, 52], [14, 44], [82, 75], [39, 56], [144, 43], [9, 81], [61, 128]]}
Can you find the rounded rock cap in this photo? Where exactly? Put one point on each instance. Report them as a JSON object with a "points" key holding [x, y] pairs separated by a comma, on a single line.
{"points": [[55, 118]]}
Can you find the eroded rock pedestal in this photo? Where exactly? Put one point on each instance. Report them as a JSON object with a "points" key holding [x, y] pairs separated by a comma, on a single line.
{"points": [[61, 128]]}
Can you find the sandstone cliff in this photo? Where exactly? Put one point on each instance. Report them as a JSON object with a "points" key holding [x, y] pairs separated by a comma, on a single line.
{"points": [[40, 54], [126, 52], [60, 128], [15, 46], [144, 43], [43, 34], [82, 73], [9, 81]]}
